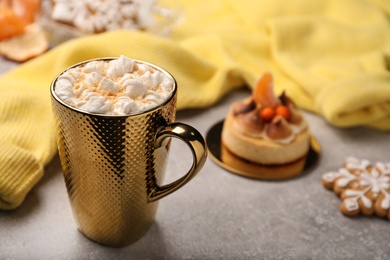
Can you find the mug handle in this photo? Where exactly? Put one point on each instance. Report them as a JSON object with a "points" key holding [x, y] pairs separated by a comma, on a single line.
{"points": [[197, 145]]}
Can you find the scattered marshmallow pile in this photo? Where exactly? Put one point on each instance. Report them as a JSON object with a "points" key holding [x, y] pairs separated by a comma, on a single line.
{"points": [[116, 87], [94, 16]]}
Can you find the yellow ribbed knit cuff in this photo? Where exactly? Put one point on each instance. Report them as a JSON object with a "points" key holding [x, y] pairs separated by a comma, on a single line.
{"points": [[14, 188]]}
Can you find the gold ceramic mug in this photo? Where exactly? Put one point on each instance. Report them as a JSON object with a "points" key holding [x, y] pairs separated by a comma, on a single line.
{"points": [[114, 165]]}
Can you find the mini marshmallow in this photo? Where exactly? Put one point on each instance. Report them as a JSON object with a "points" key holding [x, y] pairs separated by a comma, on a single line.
{"points": [[153, 97], [124, 105], [128, 10], [85, 96], [94, 66], [135, 87], [120, 67], [154, 78], [108, 85], [142, 69], [92, 79], [74, 74], [66, 93], [66, 79], [97, 105], [63, 12], [167, 84]]}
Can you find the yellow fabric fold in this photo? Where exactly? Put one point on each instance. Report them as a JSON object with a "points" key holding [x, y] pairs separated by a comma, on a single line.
{"points": [[332, 57]]}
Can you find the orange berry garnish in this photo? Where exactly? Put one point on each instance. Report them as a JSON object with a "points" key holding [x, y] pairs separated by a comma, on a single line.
{"points": [[264, 92], [267, 113], [283, 111]]}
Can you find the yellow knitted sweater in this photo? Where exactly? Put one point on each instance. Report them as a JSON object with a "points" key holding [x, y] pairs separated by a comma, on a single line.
{"points": [[332, 57]]}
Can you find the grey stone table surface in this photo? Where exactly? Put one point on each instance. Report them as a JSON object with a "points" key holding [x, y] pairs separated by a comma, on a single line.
{"points": [[218, 215]]}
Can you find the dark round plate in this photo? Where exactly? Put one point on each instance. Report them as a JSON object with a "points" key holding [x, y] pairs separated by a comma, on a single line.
{"points": [[228, 161]]}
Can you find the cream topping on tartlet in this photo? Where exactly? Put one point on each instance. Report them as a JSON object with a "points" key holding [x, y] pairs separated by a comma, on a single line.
{"points": [[265, 116]]}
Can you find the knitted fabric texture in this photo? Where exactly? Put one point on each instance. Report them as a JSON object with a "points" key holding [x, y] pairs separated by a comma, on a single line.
{"points": [[332, 57]]}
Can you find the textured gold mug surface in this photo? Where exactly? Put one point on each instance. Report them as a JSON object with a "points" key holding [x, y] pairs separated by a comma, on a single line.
{"points": [[114, 165]]}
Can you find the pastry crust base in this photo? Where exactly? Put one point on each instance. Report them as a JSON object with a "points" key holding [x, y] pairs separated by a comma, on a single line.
{"points": [[263, 151]]}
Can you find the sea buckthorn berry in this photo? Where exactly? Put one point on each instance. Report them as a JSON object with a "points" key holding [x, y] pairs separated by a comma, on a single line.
{"points": [[267, 113], [283, 111]]}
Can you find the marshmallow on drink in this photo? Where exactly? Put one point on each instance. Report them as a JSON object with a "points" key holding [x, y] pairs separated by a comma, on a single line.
{"points": [[116, 87]]}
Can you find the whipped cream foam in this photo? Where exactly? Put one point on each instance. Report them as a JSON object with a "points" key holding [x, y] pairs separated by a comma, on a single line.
{"points": [[114, 87]]}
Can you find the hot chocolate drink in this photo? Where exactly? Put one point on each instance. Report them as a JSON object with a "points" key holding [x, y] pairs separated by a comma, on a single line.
{"points": [[120, 86], [115, 118]]}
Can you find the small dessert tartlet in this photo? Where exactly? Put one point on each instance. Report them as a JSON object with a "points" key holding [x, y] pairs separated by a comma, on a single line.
{"points": [[266, 129]]}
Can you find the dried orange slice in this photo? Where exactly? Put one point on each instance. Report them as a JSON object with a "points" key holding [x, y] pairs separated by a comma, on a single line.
{"points": [[264, 91], [25, 46], [10, 23]]}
